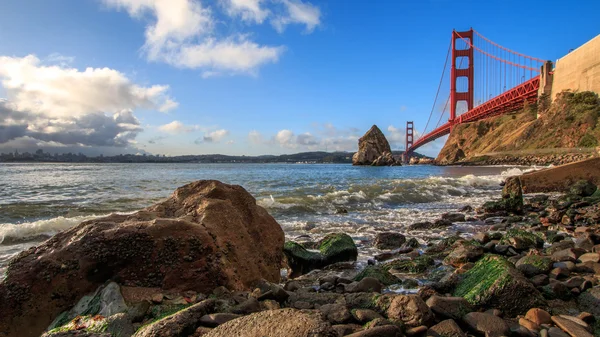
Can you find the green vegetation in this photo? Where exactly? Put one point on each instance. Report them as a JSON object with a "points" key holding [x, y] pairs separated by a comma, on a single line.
{"points": [[526, 238], [162, 312], [416, 265], [491, 272], [379, 273]]}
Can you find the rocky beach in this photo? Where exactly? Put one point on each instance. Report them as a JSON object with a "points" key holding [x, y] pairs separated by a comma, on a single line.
{"points": [[209, 261]]}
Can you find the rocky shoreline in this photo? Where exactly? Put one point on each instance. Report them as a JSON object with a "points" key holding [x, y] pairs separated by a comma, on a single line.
{"points": [[207, 261]]}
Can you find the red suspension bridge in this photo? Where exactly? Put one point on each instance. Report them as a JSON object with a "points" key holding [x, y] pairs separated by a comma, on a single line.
{"points": [[486, 79]]}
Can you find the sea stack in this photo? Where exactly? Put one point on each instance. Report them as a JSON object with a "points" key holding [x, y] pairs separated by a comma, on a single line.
{"points": [[374, 149]]}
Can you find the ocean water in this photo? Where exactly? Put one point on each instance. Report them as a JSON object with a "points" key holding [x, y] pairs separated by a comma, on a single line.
{"points": [[38, 200]]}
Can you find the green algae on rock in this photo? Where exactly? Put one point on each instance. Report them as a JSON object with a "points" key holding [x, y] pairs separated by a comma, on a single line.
{"points": [[522, 239], [532, 265], [338, 247], [414, 266], [494, 282], [378, 273], [299, 260]]}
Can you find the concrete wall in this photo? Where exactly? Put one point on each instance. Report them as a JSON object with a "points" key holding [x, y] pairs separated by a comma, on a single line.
{"points": [[579, 70]]}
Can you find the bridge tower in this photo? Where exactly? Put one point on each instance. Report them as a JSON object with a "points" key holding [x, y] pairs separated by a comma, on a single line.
{"points": [[409, 140], [461, 52]]}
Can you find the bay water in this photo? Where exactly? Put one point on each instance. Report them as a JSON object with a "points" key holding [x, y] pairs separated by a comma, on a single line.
{"points": [[38, 200]]}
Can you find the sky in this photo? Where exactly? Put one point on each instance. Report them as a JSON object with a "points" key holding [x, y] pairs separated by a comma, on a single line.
{"points": [[245, 77]]}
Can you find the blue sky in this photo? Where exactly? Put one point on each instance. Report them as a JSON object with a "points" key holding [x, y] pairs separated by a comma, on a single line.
{"points": [[244, 76]]}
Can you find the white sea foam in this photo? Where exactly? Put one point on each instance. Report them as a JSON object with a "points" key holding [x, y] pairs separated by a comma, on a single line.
{"points": [[10, 233]]}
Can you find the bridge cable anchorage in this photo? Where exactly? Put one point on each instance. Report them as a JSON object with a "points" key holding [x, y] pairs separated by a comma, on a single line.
{"points": [[439, 87]]}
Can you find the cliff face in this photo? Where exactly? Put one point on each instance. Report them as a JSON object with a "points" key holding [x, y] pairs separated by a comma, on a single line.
{"points": [[567, 126]]}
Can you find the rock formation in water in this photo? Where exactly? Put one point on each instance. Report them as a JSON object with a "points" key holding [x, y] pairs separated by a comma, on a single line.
{"points": [[374, 149], [207, 234]]}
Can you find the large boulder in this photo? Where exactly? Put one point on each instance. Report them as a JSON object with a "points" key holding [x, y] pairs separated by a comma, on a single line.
{"points": [[336, 247], [371, 147], [494, 282], [274, 323], [207, 234], [512, 195]]}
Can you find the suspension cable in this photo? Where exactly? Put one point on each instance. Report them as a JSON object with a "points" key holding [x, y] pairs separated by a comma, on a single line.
{"points": [[439, 87]]}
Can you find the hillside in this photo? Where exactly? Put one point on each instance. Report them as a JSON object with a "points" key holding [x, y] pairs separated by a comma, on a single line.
{"points": [[564, 131]]}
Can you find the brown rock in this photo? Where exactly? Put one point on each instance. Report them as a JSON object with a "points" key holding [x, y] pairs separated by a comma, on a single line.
{"points": [[490, 325], [336, 313], [206, 235], [529, 324], [275, 323], [370, 147], [561, 178], [408, 309], [416, 331], [570, 327], [365, 315], [449, 307], [590, 257], [538, 316], [447, 328], [184, 322], [213, 320]]}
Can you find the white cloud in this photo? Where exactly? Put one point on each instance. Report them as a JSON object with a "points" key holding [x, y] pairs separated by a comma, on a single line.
{"points": [[176, 127], [215, 136], [53, 105], [181, 34], [255, 137], [247, 10], [298, 12], [285, 138], [66, 92]]}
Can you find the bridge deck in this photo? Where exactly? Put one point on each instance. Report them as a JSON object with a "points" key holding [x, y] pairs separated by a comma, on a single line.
{"points": [[509, 101]]}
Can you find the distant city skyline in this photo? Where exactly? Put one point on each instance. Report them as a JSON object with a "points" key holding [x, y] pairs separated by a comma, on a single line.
{"points": [[244, 77]]}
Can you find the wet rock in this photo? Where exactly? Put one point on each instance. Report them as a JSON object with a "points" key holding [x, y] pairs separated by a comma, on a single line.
{"points": [[449, 307], [583, 188], [337, 247], [345, 329], [407, 309], [454, 217], [365, 315], [214, 320], [539, 280], [386, 159], [236, 243], [275, 323], [512, 195], [589, 301], [179, 324], [521, 239], [570, 327], [389, 240], [467, 251], [371, 146], [564, 255], [378, 273], [416, 265], [538, 316], [105, 301], [336, 313], [367, 284], [532, 265], [556, 332], [447, 328], [494, 282], [556, 290], [486, 324], [589, 257], [529, 325]]}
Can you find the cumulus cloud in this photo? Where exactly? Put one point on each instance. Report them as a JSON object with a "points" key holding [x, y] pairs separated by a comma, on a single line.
{"points": [[58, 91], [298, 12], [176, 127], [255, 137], [247, 10], [56, 105], [215, 136], [181, 33]]}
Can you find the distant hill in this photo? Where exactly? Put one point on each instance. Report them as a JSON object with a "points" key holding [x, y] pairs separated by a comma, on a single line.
{"points": [[303, 157]]}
